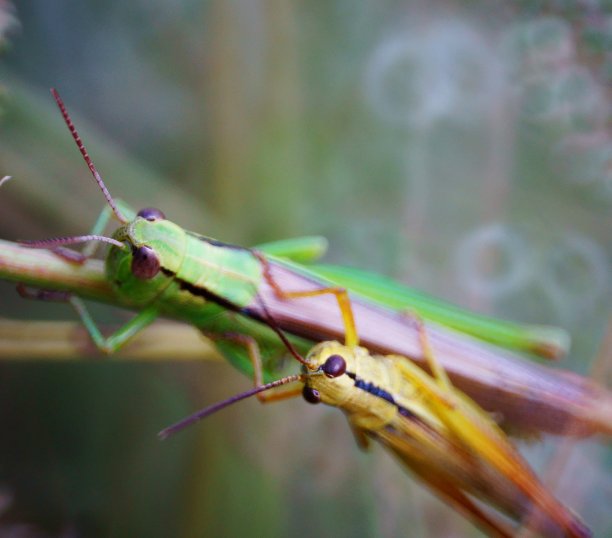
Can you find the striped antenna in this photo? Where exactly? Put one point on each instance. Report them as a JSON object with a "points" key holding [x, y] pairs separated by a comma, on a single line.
{"points": [[271, 322], [86, 156], [207, 411], [74, 240]]}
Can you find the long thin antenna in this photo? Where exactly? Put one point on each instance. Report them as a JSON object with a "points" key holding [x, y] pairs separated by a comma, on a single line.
{"points": [[207, 411], [271, 322], [62, 241], [86, 156]]}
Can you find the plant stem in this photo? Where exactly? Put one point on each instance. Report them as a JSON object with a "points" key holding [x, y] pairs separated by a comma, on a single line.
{"points": [[65, 340], [43, 269]]}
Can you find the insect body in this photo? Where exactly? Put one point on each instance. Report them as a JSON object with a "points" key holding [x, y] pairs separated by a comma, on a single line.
{"points": [[435, 430], [442, 436], [180, 271], [158, 269]]}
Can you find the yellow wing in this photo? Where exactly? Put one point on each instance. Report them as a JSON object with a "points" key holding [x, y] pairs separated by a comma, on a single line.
{"points": [[490, 450]]}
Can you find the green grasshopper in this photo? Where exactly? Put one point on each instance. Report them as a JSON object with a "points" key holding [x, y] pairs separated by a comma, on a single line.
{"points": [[159, 269], [444, 438]]}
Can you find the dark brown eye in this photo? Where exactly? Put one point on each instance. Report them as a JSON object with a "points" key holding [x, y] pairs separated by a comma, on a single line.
{"points": [[151, 214], [334, 366], [311, 395], [145, 263]]}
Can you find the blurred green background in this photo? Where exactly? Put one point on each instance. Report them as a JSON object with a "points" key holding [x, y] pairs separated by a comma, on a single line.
{"points": [[462, 147]]}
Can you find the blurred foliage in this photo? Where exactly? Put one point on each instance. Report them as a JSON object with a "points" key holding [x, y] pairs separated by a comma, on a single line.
{"points": [[464, 147]]}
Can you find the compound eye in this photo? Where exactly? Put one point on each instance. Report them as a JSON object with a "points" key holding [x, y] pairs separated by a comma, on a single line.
{"points": [[334, 366], [311, 395], [145, 263], [151, 214]]}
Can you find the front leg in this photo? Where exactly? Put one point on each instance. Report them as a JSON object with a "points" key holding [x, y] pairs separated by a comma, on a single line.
{"points": [[252, 349], [121, 336], [341, 295], [106, 345]]}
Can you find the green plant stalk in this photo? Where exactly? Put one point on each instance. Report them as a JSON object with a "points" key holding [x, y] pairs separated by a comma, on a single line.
{"points": [[66, 340]]}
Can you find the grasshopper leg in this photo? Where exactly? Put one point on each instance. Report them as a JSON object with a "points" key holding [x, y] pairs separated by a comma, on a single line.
{"points": [[108, 344], [42, 295], [252, 348], [102, 221], [70, 256], [341, 294], [359, 434], [436, 368], [120, 337], [472, 427]]}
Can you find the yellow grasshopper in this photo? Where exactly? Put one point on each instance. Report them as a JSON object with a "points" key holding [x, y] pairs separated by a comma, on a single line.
{"points": [[443, 437]]}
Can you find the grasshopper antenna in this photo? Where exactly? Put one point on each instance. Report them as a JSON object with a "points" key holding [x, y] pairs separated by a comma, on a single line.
{"points": [[56, 242], [87, 158], [271, 322], [207, 411]]}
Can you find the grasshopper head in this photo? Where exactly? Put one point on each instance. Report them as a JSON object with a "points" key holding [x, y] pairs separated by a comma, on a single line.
{"points": [[156, 248], [328, 364]]}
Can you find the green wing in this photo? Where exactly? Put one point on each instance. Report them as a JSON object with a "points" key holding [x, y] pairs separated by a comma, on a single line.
{"points": [[300, 253], [299, 249], [542, 340]]}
